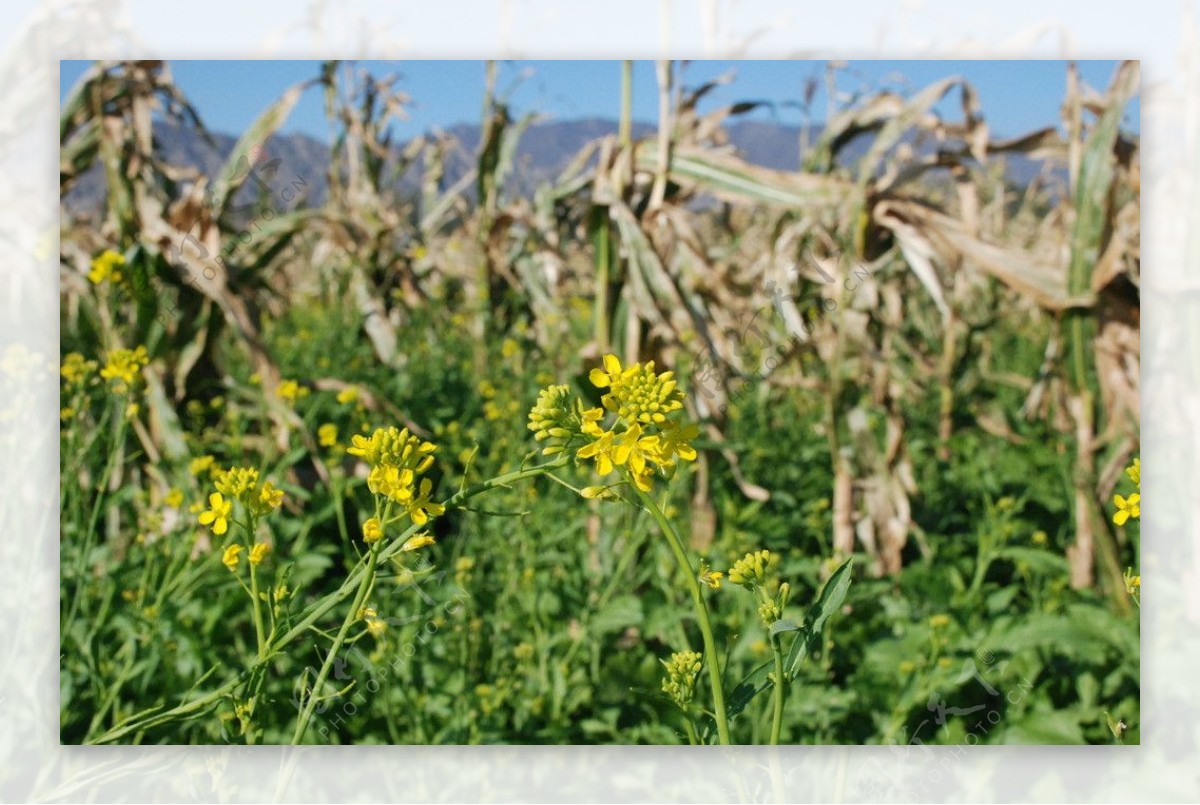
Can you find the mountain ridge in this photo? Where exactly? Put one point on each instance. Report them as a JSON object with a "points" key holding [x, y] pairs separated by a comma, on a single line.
{"points": [[544, 150]]}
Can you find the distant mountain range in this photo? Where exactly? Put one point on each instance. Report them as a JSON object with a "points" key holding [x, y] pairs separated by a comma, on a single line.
{"points": [[544, 151]]}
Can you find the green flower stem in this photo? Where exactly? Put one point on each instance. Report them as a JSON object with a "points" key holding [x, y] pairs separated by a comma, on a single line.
{"points": [[710, 644], [777, 718], [691, 730], [259, 634], [258, 621], [364, 586]]}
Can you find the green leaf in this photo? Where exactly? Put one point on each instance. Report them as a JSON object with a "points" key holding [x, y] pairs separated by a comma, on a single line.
{"points": [[784, 625], [751, 685], [829, 601]]}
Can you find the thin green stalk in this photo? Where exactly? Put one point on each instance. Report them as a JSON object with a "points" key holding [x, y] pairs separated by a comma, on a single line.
{"points": [[259, 634], [711, 661], [368, 580], [691, 730], [777, 718]]}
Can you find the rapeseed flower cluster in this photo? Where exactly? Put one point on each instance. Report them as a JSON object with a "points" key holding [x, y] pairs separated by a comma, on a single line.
{"points": [[643, 434], [76, 369], [123, 367], [397, 459], [680, 680], [750, 572], [258, 498], [106, 266]]}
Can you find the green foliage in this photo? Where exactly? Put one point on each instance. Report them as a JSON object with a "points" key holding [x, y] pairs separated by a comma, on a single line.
{"points": [[526, 624]]}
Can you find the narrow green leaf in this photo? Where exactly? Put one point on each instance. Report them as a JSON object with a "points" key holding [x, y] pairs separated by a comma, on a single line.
{"points": [[784, 625], [832, 595], [751, 685]]}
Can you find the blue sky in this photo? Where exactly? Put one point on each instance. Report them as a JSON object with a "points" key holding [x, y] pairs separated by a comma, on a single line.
{"points": [[1016, 96]]}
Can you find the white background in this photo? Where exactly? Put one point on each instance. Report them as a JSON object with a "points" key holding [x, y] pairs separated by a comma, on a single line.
{"points": [[36, 35]]}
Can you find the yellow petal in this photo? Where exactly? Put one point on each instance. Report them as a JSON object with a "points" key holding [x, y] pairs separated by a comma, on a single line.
{"points": [[612, 364], [599, 378], [220, 527], [621, 454]]}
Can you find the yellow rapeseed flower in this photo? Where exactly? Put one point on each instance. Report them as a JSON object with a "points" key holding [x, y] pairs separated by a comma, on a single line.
{"points": [[347, 395], [422, 508], [1134, 471], [218, 513], [635, 450], [939, 621], [646, 439], [710, 577], [327, 435], [105, 266], [75, 368], [392, 482], [232, 556], [1127, 507], [238, 482], [269, 498], [676, 440], [372, 531], [200, 464], [417, 542], [124, 366], [290, 391], [603, 450], [258, 553], [174, 498], [610, 374]]}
